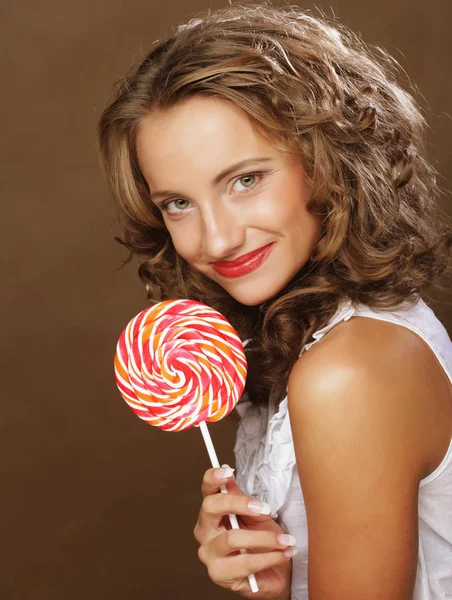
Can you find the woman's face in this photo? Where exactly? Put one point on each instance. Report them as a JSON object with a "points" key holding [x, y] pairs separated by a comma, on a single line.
{"points": [[217, 210]]}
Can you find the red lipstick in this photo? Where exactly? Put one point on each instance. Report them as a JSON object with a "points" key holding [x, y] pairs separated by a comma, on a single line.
{"points": [[244, 264]]}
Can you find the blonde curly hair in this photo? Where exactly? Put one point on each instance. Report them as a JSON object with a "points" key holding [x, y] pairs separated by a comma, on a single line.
{"points": [[315, 88]]}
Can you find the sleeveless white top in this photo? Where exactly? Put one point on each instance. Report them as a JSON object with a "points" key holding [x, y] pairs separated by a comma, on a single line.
{"points": [[266, 467]]}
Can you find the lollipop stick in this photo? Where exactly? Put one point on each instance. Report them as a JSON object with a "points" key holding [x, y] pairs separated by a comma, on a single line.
{"points": [[232, 518]]}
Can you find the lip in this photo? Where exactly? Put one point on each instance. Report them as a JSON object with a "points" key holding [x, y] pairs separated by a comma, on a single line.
{"points": [[244, 264]]}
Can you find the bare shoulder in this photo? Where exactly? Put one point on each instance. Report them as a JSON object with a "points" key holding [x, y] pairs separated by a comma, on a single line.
{"points": [[367, 372], [357, 438], [388, 372], [371, 343]]}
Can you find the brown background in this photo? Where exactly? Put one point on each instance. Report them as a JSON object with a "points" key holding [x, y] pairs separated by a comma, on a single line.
{"points": [[94, 503]]}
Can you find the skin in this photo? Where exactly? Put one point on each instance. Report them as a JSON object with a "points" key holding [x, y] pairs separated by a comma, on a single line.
{"points": [[371, 414], [370, 407], [183, 149]]}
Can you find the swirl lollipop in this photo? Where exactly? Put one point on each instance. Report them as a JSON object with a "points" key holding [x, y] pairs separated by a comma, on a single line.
{"points": [[180, 364]]}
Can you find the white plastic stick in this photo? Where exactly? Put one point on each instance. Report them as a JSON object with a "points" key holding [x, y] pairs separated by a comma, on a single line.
{"points": [[232, 518]]}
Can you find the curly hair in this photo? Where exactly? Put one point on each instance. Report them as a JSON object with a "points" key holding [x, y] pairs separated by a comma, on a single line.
{"points": [[315, 88]]}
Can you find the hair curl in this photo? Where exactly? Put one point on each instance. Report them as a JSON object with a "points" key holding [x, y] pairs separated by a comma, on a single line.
{"points": [[313, 87]]}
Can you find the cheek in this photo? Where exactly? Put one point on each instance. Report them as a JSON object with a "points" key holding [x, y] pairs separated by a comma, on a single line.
{"points": [[270, 210], [184, 243], [290, 214], [303, 227], [285, 204]]}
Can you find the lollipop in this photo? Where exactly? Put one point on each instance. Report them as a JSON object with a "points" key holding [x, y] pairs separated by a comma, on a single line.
{"points": [[180, 364]]}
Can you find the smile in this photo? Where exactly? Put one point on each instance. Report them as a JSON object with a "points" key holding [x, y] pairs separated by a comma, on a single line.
{"points": [[244, 264]]}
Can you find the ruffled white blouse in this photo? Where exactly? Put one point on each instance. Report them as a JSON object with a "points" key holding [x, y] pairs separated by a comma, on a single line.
{"points": [[266, 465]]}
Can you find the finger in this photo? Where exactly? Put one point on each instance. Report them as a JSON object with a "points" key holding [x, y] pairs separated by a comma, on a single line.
{"points": [[214, 478], [230, 569], [213, 516], [216, 506], [234, 540]]}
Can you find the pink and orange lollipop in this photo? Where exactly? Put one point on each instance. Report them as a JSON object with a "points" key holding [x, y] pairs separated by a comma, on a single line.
{"points": [[180, 364]]}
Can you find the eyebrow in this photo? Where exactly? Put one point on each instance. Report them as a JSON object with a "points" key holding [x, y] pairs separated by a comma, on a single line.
{"points": [[216, 180]]}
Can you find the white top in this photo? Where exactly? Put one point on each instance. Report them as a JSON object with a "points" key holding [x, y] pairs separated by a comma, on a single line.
{"points": [[266, 467]]}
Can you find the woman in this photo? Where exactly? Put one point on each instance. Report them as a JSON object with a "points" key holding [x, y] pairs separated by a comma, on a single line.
{"points": [[268, 164]]}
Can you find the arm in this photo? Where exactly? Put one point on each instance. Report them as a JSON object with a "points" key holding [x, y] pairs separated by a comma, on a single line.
{"points": [[356, 438]]}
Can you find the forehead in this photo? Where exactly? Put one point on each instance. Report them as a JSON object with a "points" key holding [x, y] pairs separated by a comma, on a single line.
{"points": [[200, 133]]}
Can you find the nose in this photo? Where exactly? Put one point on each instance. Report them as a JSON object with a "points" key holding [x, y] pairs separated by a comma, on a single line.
{"points": [[223, 233]]}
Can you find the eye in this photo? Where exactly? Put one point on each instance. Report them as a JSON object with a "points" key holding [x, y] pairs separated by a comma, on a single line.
{"points": [[249, 180], [165, 206]]}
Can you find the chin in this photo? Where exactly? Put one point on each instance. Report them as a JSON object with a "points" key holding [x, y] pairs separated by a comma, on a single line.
{"points": [[252, 297], [263, 290], [251, 294], [255, 301]]}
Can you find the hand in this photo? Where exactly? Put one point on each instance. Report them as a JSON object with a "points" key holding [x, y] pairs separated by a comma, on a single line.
{"points": [[220, 545]]}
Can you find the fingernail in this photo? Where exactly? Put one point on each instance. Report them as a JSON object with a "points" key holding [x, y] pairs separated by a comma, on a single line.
{"points": [[228, 467], [286, 540], [224, 473], [290, 552], [259, 507]]}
